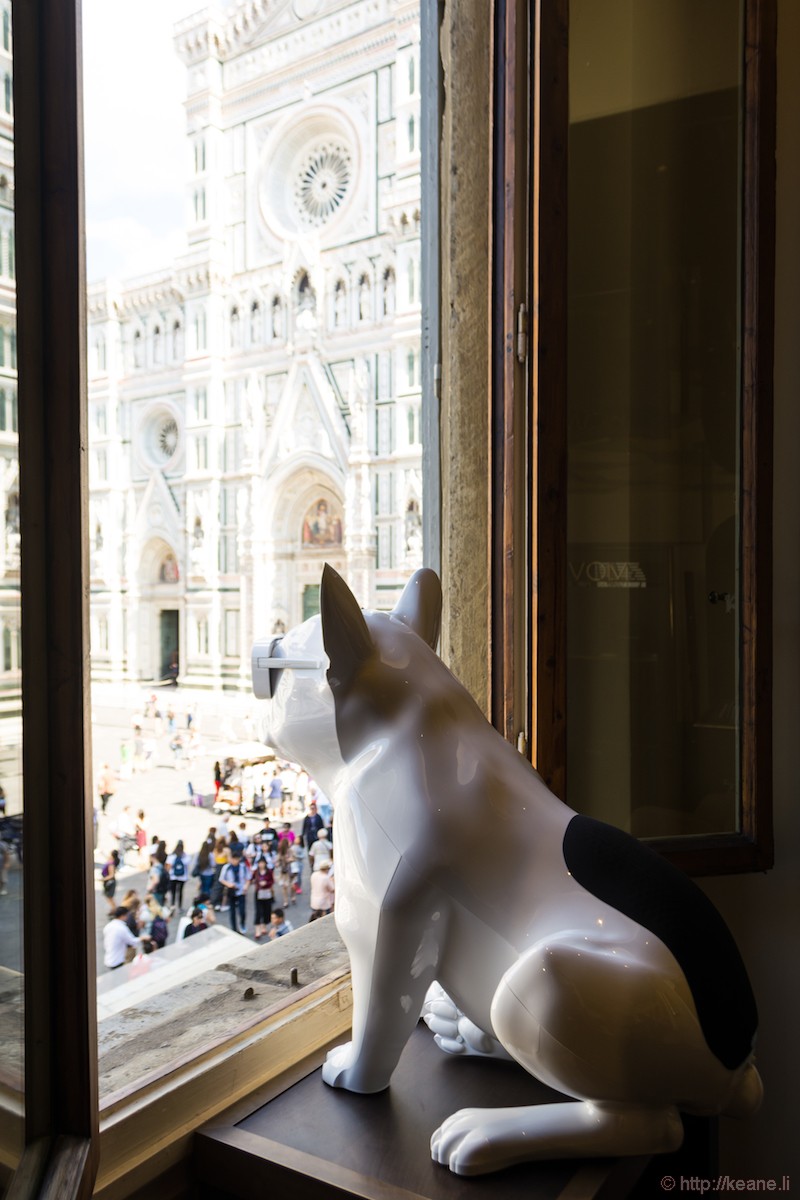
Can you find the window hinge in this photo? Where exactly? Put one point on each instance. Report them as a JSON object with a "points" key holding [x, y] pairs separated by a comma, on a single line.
{"points": [[522, 744], [522, 333]]}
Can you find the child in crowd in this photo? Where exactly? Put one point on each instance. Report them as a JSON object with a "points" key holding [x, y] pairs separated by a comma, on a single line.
{"points": [[279, 925]]}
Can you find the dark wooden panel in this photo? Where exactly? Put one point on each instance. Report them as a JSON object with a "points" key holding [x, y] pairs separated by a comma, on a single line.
{"points": [[758, 322], [312, 1143], [61, 1041], [549, 394]]}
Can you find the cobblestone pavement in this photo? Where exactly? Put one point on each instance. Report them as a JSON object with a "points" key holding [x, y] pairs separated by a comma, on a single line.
{"points": [[161, 791]]}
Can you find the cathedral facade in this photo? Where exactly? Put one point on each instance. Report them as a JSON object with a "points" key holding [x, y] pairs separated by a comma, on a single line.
{"points": [[254, 408]]}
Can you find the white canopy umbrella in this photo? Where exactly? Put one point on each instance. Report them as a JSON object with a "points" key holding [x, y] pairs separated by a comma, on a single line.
{"points": [[242, 752]]}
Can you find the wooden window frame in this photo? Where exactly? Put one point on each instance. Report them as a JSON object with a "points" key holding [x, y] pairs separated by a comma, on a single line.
{"points": [[61, 1105], [529, 514], [64, 1122]]}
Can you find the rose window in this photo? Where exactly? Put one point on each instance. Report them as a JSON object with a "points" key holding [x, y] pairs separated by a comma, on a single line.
{"points": [[159, 436], [322, 182], [167, 437]]}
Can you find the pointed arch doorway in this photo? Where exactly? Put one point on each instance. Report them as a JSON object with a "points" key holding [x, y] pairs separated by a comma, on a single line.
{"points": [[158, 622], [169, 644]]}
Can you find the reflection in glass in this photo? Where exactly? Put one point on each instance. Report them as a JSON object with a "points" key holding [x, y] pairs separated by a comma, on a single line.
{"points": [[653, 414], [11, 930]]}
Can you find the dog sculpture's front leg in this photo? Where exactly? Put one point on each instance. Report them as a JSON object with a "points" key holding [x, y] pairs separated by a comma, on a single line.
{"points": [[394, 951]]}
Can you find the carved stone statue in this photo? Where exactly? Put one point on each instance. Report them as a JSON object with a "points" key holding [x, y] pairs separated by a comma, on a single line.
{"points": [[559, 941]]}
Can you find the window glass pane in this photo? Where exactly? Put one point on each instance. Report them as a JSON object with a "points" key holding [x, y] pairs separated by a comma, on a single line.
{"points": [[253, 239], [11, 927], [653, 414]]}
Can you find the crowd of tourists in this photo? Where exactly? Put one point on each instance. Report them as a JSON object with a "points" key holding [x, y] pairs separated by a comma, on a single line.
{"points": [[248, 876], [252, 877]]}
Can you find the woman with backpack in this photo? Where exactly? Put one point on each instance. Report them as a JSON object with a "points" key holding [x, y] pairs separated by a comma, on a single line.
{"points": [[178, 868], [158, 880], [204, 868]]}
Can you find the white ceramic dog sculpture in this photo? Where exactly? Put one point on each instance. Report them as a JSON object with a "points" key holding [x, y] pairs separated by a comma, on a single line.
{"points": [[597, 966]]}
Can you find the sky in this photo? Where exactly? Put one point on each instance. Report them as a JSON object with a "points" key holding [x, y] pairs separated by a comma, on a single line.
{"points": [[134, 135]]}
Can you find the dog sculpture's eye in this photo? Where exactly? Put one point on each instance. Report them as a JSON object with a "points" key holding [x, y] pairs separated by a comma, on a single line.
{"points": [[275, 673], [266, 674]]}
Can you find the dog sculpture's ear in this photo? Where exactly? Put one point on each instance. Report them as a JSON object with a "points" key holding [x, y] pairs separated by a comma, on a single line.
{"points": [[420, 606], [345, 636]]}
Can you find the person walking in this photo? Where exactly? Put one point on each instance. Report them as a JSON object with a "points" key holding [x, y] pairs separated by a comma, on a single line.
{"points": [[158, 878], [312, 823], [178, 867], [117, 938], [218, 893], [300, 856], [109, 877], [263, 882], [269, 837], [283, 871], [322, 891], [321, 850], [235, 879], [140, 833], [5, 861], [275, 793], [106, 786], [204, 868], [301, 788]]}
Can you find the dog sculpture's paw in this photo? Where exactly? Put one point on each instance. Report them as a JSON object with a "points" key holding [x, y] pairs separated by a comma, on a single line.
{"points": [[342, 1070], [474, 1141], [455, 1033]]}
